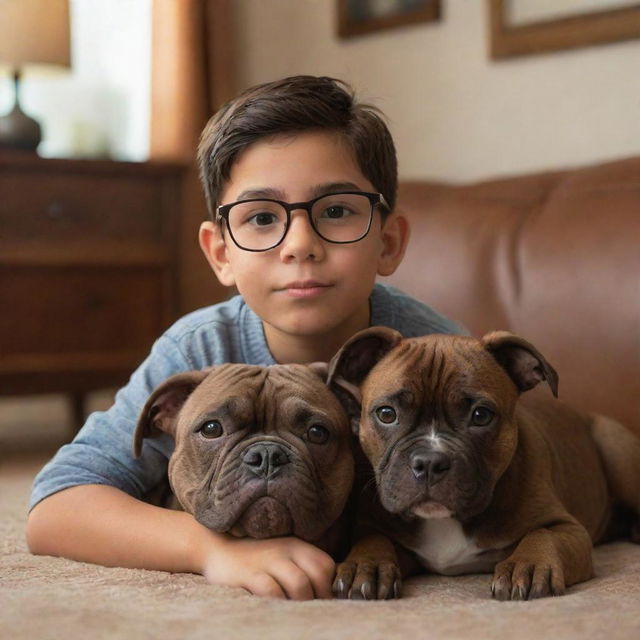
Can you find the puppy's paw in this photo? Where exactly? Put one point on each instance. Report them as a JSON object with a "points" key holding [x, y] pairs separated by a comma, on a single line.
{"points": [[523, 580], [367, 581]]}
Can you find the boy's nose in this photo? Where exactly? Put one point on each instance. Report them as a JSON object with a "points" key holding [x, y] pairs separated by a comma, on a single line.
{"points": [[301, 241]]}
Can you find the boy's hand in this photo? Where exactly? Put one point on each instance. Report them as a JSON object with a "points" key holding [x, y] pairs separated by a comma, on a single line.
{"points": [[275, 567]]}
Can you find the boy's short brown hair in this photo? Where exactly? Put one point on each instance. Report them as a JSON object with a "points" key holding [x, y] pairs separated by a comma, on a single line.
{"points": [[297, 104]]}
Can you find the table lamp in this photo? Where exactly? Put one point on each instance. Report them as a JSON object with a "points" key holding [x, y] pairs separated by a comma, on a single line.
{"points": [[34, 34]]}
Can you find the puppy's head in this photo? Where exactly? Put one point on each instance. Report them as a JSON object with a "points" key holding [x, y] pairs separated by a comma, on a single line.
{"points": [[259, 451], [435, 415]]}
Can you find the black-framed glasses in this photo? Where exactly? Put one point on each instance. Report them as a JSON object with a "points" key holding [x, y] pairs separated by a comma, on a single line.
{"points": [[260, 224]]}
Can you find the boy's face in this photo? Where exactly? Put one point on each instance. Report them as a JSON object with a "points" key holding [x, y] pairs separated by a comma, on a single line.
{"points": [[306, 290]]}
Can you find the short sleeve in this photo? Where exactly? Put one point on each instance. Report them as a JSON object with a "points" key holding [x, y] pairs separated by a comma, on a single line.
{"points": [[102, 451]]}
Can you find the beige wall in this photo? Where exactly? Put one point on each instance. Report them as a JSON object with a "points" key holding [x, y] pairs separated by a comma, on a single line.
{"points": [[455, 114]]}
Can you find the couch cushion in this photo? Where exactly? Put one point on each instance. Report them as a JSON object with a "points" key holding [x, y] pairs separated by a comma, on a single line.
{"points": [[553, 257]]}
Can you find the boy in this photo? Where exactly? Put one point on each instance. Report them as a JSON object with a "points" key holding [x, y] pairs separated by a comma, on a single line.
{"points": [[305, 272]]}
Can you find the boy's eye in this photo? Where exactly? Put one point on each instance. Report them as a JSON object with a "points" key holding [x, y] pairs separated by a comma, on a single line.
{"points": [[262, 219], [211, 429], [336, 212]]}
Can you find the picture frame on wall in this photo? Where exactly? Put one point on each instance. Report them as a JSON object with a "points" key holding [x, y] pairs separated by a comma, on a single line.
{"points": [[358, 17], [525, 27]]}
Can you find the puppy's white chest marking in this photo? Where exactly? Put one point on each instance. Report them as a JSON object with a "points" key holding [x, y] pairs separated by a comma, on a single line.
{"points": [[443, 547]]}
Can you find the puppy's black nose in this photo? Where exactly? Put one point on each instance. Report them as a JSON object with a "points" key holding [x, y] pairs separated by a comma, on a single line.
{"points": [[431, 466], [265, 459]]}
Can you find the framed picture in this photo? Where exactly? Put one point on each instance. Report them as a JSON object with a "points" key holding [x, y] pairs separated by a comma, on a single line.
{"points": [[522, 27], [357, 17]]}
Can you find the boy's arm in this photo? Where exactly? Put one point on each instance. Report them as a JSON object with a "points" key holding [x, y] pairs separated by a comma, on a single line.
{"points": [[84, 504], [103, 525]]}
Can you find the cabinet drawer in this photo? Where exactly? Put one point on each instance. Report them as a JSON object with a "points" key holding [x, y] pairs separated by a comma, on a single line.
{"points": [[46, 205], [72, 311]]}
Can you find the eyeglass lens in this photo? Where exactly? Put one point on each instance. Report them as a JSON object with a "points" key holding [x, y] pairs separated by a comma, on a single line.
{"points": [[261, 224]]}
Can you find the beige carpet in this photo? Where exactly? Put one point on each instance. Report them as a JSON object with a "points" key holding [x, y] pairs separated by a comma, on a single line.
{"points": [[42, 598]]}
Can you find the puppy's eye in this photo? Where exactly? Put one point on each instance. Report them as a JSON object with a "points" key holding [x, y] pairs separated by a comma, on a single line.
{"points": [[211, 429], [386, 415], [481, 416], [317, 434]]}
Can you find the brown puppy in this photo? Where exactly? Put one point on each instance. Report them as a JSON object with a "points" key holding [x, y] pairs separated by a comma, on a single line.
{"points": [[470, 479], [259, 451]]}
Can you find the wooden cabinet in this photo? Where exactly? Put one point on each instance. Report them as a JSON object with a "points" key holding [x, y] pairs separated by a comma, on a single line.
{"points": [[89, 266]]}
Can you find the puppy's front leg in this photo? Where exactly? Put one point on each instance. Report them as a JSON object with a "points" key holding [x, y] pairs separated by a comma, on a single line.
{"points": [[370, 572], [544, 563]]}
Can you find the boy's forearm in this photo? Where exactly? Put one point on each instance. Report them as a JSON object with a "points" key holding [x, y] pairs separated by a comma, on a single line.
{"points": [[103, 525]]}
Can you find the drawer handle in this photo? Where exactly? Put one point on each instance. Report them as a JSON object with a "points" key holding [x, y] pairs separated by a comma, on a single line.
{"points": [[95, 302], [55, 210]]}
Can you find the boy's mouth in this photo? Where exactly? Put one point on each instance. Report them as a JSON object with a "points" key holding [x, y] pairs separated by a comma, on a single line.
{"points": [[305, 288]]}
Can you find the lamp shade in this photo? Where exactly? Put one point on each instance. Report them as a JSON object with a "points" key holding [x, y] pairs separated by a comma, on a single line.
{"points": [[34, 32]]}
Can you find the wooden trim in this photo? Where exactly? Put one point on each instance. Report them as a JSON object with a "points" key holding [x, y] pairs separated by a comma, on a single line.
{"points": [[221, 62], [193, 72], [63, 382], [26, 161], [347, 27], [44, 364], [148, 256], [567, 33]]}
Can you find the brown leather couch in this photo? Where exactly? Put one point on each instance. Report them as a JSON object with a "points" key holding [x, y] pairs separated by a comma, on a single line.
{"points": [[553, 257]]}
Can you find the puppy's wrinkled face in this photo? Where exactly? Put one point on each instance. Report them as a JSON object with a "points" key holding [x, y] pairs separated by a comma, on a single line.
{"points": [[437, 425], [262, 452]]}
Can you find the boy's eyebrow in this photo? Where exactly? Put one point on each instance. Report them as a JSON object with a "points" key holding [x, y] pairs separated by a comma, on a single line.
{"points": [[334, 187], [266, 192], [316, 191]]}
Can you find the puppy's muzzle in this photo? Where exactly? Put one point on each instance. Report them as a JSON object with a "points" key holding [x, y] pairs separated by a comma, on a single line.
{"points": [[429, 466], [265, 460]]}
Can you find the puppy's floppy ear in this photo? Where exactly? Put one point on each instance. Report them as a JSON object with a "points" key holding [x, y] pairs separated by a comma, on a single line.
{"points": [[161, 409], [350, 366], [347, 394], [525, 365], [361, 352]]}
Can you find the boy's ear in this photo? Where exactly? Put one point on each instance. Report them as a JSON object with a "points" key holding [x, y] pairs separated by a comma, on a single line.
{"points": [[214, 247], [394, 238]]}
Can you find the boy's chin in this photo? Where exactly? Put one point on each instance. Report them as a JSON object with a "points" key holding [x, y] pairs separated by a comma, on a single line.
{"points": [[320, 323]]}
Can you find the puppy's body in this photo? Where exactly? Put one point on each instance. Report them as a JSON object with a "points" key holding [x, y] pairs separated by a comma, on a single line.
{"points": [[444, 544], [259, 451], [468, 477]]}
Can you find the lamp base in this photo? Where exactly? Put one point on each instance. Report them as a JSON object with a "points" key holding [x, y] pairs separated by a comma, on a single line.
{"points": [[19, 131]]}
